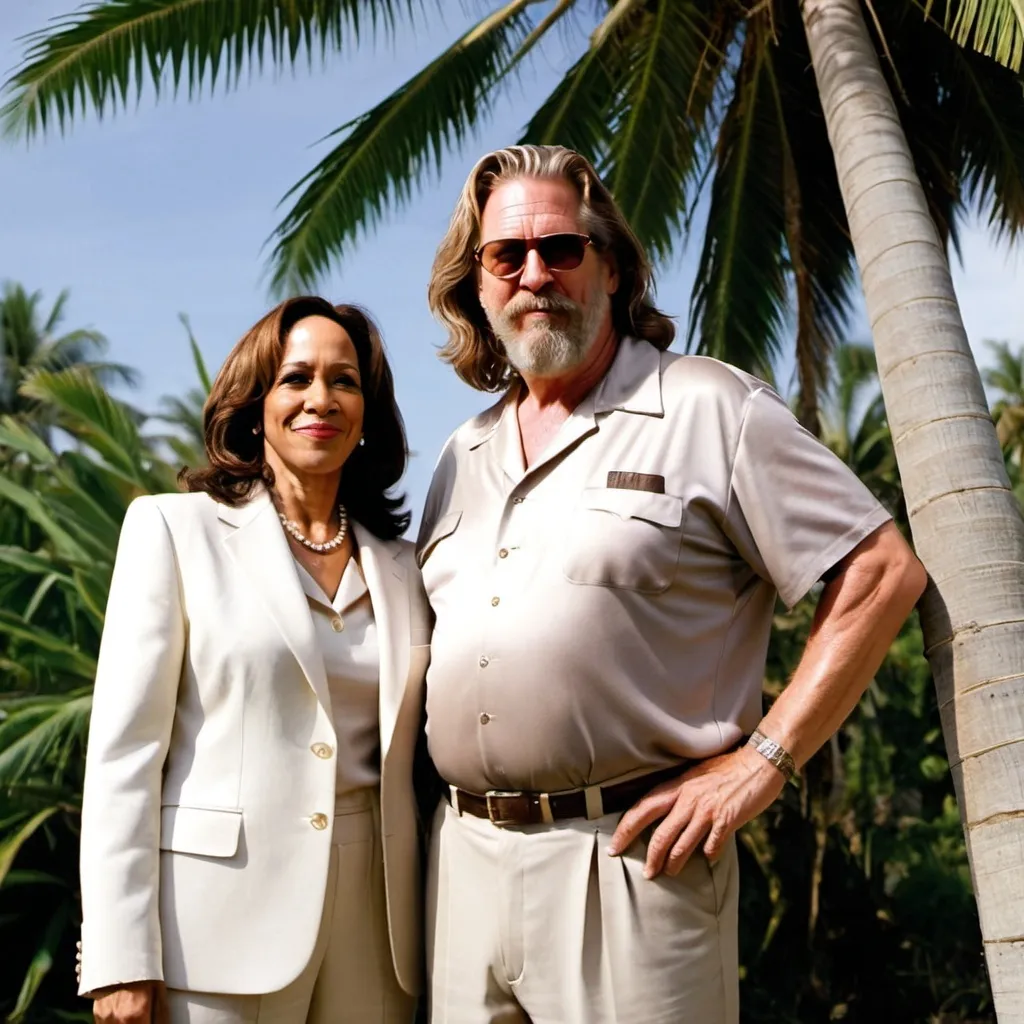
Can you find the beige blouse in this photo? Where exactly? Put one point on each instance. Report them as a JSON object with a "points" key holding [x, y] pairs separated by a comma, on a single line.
{"points": [[347, 635]]}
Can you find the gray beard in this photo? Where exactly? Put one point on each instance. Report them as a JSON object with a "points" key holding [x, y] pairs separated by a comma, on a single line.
{"points": [[548, 350]]}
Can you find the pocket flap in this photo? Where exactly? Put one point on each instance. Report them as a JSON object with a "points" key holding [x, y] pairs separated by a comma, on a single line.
{"points": [[663, 509], [444, 527], [207, 831]]}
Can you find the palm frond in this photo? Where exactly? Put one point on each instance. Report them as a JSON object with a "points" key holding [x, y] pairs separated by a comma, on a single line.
{"points": [[740, 297], [987, 121], [92, 415], [577, 114], [660, 139], [818, 244], [41, 962], [993, 27], [389, 150], [101, 55], [38, 510], [36, 742], [31, 563], [12, 844], [205, 380], [63, 656]]}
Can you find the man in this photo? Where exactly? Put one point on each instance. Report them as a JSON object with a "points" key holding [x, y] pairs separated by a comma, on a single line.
{"points": [[602, 550]]}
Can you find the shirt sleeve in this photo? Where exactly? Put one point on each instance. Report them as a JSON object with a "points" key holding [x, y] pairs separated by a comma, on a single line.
{"points": [[794, 509]]}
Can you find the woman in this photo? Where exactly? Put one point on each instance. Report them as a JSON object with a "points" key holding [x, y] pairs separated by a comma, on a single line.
{"points": [[248, 829]]}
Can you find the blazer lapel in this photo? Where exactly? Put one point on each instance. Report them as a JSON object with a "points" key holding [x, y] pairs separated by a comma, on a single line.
{"points": [[386, 582], [259, 547]]}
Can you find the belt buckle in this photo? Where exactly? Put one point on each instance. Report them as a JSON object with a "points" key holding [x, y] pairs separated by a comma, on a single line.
{"points": [[493, 796]]}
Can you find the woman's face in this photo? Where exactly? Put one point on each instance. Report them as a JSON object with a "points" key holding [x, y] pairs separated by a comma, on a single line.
{"points": [[313, 414]]}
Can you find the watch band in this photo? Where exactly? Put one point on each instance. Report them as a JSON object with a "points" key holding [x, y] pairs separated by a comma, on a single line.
{"points": [[773, 752]]}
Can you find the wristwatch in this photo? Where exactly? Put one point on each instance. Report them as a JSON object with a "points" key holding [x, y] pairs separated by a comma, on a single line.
{"points": [[773, 752]]}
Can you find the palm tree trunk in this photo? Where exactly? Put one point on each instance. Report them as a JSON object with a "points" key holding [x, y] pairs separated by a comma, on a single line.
{"points": [[966, 523]]}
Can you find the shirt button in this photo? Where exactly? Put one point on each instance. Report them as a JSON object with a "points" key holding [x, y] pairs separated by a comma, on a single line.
{"points": [[484, 718], [485, 661], [337, 625], [318, 821], [517, 501], [495, 601], [503, 553], [322, 750]]}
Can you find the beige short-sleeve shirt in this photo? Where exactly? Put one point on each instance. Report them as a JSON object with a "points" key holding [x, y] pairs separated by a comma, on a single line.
{"points": [[608, 610]]}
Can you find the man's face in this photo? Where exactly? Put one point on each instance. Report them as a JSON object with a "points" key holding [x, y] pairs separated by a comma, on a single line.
{"points": [[547, 320]]}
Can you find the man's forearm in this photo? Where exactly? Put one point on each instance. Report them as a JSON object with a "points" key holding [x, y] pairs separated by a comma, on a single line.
{"points": [[859, 614]]}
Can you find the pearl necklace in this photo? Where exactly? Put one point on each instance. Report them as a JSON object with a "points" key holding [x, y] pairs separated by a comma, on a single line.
{"points": [[328, 546]]}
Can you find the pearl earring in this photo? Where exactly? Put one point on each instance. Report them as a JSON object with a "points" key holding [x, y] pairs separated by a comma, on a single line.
{"points": [[256, 429], [362, 442]]}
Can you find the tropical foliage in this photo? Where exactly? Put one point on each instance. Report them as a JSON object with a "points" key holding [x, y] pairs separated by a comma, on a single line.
{"points": [[29, 342], [856, 903], [685, 107]]}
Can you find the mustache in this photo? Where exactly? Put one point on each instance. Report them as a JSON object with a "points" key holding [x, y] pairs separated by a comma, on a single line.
{"points": [[527, 303]]}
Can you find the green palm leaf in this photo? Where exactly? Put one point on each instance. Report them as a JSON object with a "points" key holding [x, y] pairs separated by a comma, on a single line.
{"points": [[660, 138], [41, 963], [993, 27], [103, 54], [740, 299], [818, 247], [92, 415], [392, 147], [576, 114], [38, 739], [63, 656], [11, 844]]}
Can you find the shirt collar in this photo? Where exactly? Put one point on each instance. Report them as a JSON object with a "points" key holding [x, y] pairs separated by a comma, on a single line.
{"points": [[633, 381], [632, 384]]}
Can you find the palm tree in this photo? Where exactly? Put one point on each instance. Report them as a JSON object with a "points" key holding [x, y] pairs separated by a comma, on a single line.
{"points": [[184, 415], [1006, 376], [966, 523], [809, 177], [29, 342], [667, 96]]}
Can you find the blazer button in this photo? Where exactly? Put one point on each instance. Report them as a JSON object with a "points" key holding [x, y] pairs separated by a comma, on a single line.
{"points": [[319, 821], [323, 750]]}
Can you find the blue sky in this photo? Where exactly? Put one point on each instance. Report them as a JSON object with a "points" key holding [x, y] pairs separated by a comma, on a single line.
{"points": [[165, 209]]}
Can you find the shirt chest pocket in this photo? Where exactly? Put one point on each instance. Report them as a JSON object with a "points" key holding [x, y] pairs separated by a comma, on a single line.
{"points": [[622, 538]]}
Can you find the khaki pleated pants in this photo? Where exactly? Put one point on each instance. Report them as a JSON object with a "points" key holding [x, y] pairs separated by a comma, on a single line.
{"points": [[350, 979], [538, 924]]}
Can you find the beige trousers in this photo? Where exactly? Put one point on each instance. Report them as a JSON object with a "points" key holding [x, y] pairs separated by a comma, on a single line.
{"points": [[350, 978], [539, 924]]}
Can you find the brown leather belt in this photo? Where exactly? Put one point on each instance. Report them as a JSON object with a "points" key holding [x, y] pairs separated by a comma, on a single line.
{"points": [[505, 807]]}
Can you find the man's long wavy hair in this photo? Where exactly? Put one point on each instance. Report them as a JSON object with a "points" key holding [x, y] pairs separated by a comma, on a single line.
{"points": [[235, 406], [472, 349]]}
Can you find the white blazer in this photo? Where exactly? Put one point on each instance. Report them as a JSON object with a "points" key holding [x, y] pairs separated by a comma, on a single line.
{"points": [[200, 864]]}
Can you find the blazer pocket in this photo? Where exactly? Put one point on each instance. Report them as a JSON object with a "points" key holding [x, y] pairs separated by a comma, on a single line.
{"points": [[206, 831]]}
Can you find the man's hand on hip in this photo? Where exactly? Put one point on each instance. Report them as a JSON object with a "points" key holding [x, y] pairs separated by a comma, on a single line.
{"points": [[707, 803]]}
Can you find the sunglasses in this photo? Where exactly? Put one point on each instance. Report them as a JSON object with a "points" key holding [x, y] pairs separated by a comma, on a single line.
{"points": [[506, 257]]}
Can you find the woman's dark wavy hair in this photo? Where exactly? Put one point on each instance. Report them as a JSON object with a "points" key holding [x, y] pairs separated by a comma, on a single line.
{"points": [[235, 406]]}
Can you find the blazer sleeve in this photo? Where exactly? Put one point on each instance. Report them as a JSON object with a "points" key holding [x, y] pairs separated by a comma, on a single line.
{"points": [[139, 666]]}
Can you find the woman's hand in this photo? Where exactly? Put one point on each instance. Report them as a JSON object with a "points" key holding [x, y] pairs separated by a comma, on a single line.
{"points": [[706, 805], [139, 1002]]}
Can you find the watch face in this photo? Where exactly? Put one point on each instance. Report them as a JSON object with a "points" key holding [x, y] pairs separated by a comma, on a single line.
{"points": [[768, 748]]}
